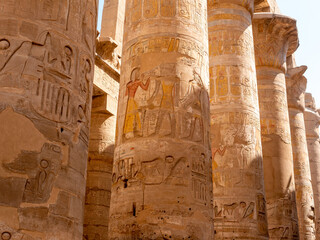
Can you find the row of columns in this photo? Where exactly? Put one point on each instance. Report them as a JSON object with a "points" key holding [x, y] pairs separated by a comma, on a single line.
{"points": [[261, 175], [276, 38], [168, 163]]}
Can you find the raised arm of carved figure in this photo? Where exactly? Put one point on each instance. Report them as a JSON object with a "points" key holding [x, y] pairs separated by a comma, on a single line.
{"points": [[146, 85]]}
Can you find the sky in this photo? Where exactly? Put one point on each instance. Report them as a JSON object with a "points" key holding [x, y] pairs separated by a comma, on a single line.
{"points": [[307, 14], [100, 10]]}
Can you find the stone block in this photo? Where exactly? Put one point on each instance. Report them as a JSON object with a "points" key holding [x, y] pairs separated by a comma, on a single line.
{"points": [[99, 180], [96, 215], [105, 104], [34, 218], [12, 189], [95, 232], [98, 197]]}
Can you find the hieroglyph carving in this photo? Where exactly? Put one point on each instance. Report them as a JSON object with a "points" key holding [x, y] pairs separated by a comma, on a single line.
{"points": [[160, 116], [151, 9], [56, 12], [50, 85], [41, 168]]}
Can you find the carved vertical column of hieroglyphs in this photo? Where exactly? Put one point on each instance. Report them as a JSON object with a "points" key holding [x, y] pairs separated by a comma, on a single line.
{"points": [[238, 189], [275, 37], [312, 121], [296, 86], [161, 183], [103, 122], [46, 74]]}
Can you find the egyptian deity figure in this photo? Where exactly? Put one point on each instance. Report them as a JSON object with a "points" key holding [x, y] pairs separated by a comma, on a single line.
{"points": [[193, 102]]}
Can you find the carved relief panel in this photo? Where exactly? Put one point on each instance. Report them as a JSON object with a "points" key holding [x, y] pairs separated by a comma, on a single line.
{"points": [[46, 74]]}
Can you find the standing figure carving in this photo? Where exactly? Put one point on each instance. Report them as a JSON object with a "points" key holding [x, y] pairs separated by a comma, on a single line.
{"points": [[133, 120]]}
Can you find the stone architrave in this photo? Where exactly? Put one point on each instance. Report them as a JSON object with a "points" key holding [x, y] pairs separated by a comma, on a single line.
{"points": [[296, 85], [162, 178], [275, 38], [46, 74], [238, 188], [312, 121]]}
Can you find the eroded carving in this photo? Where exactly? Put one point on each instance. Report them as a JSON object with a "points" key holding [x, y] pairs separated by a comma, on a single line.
{"points": [[41, 168], [6, 236]]}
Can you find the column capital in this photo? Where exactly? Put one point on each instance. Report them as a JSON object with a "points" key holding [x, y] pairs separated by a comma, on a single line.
{"points": [[312, 117], [296, 84], [248, 4], [276, 38], [266, 6], [310, 102], [312, 120]]}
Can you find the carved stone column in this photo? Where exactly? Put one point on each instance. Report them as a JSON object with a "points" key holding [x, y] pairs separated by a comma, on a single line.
{"points": [[161, 183], [103, 124], [101, 149], [312, 121], [46, 73], [238, 189], [275, 38], [296, 86]]}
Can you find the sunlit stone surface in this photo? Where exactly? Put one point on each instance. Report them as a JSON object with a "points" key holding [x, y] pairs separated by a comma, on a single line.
{"points": [[46, 74], [238, 188]]}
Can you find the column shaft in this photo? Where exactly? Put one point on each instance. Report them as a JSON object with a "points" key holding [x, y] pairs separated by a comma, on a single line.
{"points": [[239, 201], [103, 123], [296, 85], [99, 175], [312, 121], [162, 182], [275, 36], [46, 74]]}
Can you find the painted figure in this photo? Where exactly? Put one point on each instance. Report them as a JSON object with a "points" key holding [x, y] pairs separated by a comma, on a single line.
{"points": [[132, 120]]}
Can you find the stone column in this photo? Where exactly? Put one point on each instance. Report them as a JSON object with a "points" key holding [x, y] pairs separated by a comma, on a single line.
{"points": [[101, 151], [238, 189], [312, 121], [103, 125], [161, 183], [275, 38], [296, 86], [46, 74]]}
